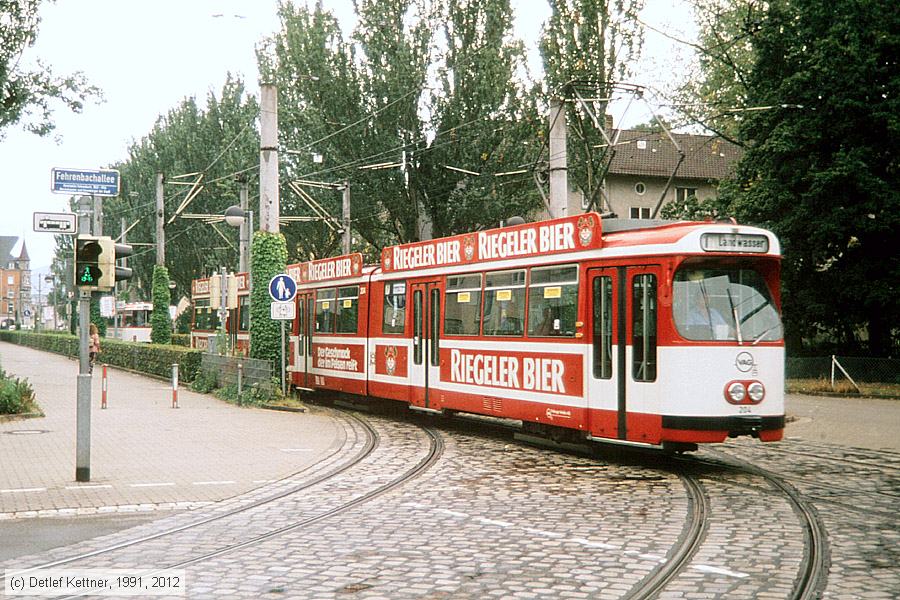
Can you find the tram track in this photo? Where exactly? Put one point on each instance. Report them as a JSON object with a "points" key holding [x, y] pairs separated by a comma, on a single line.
{"points": [[812, 576], [371, 442], [689, 542], [435, 450]]}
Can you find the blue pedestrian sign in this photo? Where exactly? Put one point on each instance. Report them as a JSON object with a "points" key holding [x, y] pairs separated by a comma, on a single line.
{"points": [[282, 288], [83, 181]]}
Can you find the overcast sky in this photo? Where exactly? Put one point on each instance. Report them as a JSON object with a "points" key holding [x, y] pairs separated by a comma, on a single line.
{"points": [[147, 55]]}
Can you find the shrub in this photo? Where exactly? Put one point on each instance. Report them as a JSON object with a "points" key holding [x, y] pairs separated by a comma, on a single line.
{"points": [[268, 258], [16, 396], [155, 359]]}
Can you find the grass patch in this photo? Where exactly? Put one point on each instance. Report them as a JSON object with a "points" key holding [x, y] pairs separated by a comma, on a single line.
{"points": [[841, 386]]}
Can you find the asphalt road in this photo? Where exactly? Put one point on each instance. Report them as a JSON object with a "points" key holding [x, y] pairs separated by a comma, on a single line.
{"points": [[858, 422]]}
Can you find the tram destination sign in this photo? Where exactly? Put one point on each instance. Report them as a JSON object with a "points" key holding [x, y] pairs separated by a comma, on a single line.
{"points": [[83, 181]]}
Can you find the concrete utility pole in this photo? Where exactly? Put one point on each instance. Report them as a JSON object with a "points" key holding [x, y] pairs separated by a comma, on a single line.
{"points": [[559, 182], [345, 217], [245, 233], [269, 208], [160, 215], [98, 216]]}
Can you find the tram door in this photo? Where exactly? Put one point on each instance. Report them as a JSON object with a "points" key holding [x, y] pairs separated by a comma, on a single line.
{"points": [[301, 341], [426, 360], [606, 368], [622, 371]]}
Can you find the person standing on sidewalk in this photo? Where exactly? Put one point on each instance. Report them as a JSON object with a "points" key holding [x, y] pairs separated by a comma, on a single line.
{"points": [[94, 345]]}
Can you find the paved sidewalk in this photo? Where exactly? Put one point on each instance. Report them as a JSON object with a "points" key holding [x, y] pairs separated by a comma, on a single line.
{"points": [[145, 455]]}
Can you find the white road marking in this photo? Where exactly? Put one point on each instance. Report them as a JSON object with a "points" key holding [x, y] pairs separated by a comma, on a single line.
{"points": [[552, 534], [718, 571], [264, 480], [297, 450], [493, 522], [22, 490], [99, 486], [591, 544], [213, 482], [167, 483], [452, 513]]}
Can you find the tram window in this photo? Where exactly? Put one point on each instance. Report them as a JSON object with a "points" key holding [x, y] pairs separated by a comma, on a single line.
{"points": [[417, 327], [435, 325], [724, 304], [553, 301], [504, 303], [244, 313], [347, 308], [462, 313], [643, 328], [394, 314], [325, 311], [603, 317], [201, 314]]}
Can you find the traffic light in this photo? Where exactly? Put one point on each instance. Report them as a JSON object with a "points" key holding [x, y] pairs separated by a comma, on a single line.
{"points": [[110, 273], [88, 271]]}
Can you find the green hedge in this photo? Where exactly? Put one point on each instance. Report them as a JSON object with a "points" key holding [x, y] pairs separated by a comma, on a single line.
{"points": [[154, 359], [181, 339]]}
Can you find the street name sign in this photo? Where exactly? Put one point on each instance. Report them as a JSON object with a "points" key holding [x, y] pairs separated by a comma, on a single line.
{"points": [[84, 181], [283, 311], [55, 222]]}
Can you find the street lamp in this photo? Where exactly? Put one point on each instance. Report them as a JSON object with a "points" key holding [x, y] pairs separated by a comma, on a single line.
{"points": [[238, 217]]}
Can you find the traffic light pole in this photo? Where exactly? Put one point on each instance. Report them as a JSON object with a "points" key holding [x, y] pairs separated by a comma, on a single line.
{"points": [[83, 402]]}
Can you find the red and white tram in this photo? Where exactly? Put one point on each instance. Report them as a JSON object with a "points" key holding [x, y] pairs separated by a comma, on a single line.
{"points": [[205, 322], [659, 334]]}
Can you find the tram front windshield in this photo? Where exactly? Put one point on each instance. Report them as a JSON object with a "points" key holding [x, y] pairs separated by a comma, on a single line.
{"points": [[724, 304]]}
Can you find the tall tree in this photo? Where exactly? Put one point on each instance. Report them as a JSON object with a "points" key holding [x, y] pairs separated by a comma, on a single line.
{"points": [[27, 96], [821, 167], [713, 92], [588, 47], [368, 102], [215, 142]]}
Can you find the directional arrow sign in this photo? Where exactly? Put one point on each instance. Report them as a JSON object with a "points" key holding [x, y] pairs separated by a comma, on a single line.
{"points": [[55, 222]]}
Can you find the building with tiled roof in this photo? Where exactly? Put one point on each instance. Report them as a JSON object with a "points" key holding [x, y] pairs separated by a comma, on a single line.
{"points": [[15, 284], [643, 162]]}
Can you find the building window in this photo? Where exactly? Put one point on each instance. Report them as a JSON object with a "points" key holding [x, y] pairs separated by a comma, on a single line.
{"points": [[639, 212], [9, 280], [640, 188], [683, 193]]}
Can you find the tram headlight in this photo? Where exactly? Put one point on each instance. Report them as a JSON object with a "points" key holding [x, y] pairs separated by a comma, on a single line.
{"points": [[736, 391], [756, 391]]}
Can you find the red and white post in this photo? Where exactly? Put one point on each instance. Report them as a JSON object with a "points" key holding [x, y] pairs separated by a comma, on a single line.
{"points": [[175, 385], [103, 396]]}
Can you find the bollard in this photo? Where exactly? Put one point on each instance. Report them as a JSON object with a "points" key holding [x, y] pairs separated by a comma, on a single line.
{"points": [[103, 396], [175, 385], [240, 376]]}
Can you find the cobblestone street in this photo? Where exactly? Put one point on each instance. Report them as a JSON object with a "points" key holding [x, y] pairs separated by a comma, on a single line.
{"points": [[493, 518]]}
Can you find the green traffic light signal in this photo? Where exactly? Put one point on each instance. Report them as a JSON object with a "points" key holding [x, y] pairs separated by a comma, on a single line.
{"points": [[88, 270]]}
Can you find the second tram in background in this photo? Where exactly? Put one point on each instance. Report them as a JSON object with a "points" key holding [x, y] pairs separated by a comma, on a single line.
{"points": [[630, 331], [206, 297]]}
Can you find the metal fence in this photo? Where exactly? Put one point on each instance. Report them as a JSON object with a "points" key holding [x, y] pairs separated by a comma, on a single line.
{"points": [[856, 368], [225, 369]]}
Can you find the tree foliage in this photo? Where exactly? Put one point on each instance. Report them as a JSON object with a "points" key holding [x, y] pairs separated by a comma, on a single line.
{"points": [[268, 257], [368, 100], [587, 48], [215, 142], [160, 320], [27, 96], [821, 167]]}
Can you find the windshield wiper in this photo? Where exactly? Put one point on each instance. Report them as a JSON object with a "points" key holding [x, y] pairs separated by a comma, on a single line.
{"points": [[737, 322], [763, 334]]}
